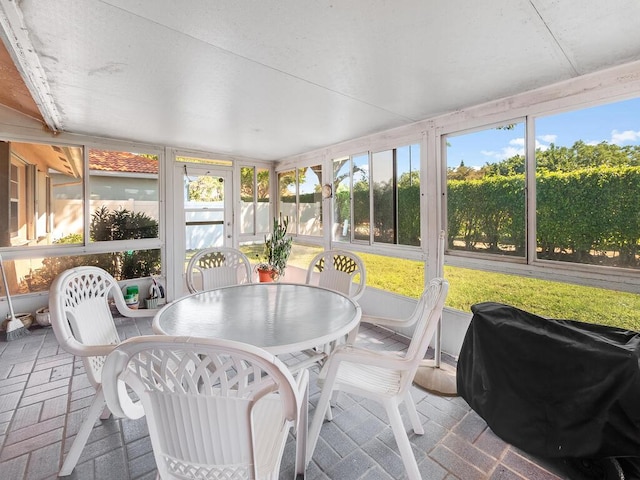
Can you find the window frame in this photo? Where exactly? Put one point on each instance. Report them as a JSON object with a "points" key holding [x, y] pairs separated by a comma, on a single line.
{"points": [[615, 278], [87, 247], [393, 249]]}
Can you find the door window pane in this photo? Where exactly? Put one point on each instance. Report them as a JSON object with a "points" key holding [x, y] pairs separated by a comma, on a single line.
{"points": [[204, 211]]}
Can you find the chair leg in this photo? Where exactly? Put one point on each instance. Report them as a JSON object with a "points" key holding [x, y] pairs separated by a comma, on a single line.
{"points": [[106, 413], [409, 460], [301, 436], [95, 410], [352, 336], [318, 417], [413, 414]]}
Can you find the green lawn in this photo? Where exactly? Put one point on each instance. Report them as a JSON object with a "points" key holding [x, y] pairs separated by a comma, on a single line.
{"points": [[546, 298], [543, 297]]}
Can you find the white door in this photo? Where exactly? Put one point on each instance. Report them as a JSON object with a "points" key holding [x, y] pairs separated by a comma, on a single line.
{"points": [[206, 217]]}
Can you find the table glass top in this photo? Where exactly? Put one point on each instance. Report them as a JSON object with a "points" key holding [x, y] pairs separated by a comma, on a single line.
{"points": [[279, 317]]}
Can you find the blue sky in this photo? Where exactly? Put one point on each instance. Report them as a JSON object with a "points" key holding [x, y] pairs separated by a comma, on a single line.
{"points": [[617, 123]]}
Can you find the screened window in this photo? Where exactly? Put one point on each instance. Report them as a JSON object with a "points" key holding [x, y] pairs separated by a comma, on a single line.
{"points": [[45, 207], [342, 199], [287, 198], [379, 195], [485, 191], [123, 189], [361, 197], [310, 200], [584, 199], [588, 186], [254, 201], [44, 202], [300, 194]]}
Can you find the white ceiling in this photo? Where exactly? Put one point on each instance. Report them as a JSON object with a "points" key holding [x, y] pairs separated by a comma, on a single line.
{"points": [[272, 78]]}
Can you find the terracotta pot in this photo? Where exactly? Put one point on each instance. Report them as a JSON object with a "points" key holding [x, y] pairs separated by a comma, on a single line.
{"points": [[266, 276]]}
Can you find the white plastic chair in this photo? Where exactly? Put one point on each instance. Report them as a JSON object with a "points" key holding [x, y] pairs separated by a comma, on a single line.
{"points": [[83, 325], [215, 408], [383, 376], [338, 270], [217, 267]]}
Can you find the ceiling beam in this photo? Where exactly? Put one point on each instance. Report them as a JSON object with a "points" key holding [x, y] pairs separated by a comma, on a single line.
{"points": [[15, 37]]}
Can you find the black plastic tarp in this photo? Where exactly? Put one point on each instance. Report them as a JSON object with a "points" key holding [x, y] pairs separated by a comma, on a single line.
{"points": [[553, 388]]}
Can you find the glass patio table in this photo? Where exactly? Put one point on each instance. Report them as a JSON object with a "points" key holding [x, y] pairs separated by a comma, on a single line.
{"points": [[279, 317]]}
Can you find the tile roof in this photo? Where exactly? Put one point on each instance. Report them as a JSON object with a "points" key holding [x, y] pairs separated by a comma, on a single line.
{"points": [[111, 161]]}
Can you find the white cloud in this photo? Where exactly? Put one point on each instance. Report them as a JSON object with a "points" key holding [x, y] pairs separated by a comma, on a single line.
{"points": [[511, 151], [550, 138], [543, 141], [505, 152], [628, 136], [541, 146]]}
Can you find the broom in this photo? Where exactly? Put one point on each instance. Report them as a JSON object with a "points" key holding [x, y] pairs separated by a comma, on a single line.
{"points": [[15, 328]]}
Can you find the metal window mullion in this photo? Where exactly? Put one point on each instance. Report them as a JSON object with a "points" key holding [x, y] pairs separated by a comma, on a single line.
{"points": [[371, 235], [530, 191], [351, 214], [394, 179], [86, 196]]}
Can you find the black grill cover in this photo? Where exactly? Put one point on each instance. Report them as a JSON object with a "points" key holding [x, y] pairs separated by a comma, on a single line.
{"points": [[553, 388]]}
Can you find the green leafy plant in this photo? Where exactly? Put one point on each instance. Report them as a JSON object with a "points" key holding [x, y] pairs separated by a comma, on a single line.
{"points": [[277, 247]]}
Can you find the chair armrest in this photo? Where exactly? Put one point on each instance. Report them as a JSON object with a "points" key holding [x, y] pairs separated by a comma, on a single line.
{"points": [[352, 354], [388, 321], [135, 313], [115, 388], [71, 345]]}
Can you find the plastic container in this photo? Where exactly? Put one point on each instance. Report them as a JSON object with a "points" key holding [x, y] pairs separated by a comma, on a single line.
{"points": [[133, 290], [131, 300], [151, 302]]}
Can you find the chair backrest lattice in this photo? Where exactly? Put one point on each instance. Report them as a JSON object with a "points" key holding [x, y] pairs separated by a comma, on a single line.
{"points": [[201, 398], [81, 315], [339, 270], [217, 267], [173, 371], [213, 260], [341, 263]]}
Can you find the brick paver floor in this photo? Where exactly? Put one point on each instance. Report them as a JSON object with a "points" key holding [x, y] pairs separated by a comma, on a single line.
{"points": [[44, 394]]}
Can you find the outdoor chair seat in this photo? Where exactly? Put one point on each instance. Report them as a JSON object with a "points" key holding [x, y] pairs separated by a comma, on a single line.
{"points": [[383, 376]]}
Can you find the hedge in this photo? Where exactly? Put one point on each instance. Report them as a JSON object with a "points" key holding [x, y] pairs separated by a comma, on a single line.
{"points": [[585, 214]]}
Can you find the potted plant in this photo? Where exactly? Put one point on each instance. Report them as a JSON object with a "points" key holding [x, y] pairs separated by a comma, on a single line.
{"points": [[277, 247]]}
